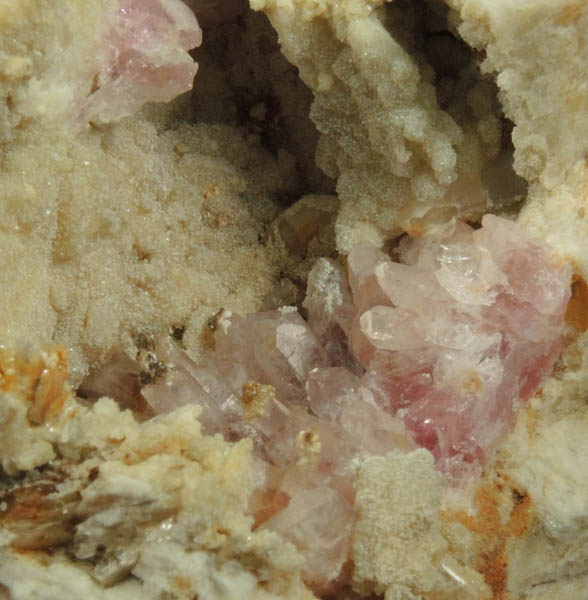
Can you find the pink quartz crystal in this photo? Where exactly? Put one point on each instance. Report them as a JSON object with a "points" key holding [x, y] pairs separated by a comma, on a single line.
{"points": [[438, 351], [468, 330], [142, 58], [275, 347], [270, 380], [319, 522], [331, 311]]}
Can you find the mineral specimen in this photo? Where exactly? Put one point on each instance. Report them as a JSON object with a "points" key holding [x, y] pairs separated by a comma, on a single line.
{"points": [[155, 221], [399, 157], [157, 501], [438, 351]]}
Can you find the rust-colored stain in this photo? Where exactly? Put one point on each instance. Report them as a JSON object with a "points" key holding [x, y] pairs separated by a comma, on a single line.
{"points": [[37, 520], [577, 309], [415, 230], [211, 191], [571, 14], [27, 503], [267, 504], [176, 445], [532, 420], [255, 398], [183, 584], [39, 378], [493, 535]]}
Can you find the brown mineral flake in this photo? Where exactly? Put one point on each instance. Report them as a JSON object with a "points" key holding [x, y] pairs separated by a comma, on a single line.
{"points": [[39, 377], [151, 368], [207, 336], [307, 219], [577, 309], [570, 14], [255, 398], [492, 534], [26, 503], [38, 519], [120, 378]]}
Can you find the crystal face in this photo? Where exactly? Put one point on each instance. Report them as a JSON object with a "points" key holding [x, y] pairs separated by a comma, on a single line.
{"points": [[436, 351], [470, 326], [142, 58]]}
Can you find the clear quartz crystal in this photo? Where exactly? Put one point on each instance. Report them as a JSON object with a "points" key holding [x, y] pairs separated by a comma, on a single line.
{"points": [[331, 311], [437, 352], [274, 347]]}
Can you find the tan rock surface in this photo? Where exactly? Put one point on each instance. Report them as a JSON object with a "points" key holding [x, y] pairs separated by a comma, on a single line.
{"points": [[398, 546], [399, 158], [124, 229]]}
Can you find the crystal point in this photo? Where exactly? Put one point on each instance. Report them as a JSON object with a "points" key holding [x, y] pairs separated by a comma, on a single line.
{"points": [[142, 58], [472, 326]]}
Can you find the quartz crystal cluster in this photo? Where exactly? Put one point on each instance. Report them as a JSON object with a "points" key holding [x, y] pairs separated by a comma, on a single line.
{"points": [[435, 351], [454, 339]]}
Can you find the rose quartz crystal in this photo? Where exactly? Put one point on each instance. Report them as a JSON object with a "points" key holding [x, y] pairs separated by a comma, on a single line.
{"points": [[275, 347], [438, 351], [467, 331], [307, 521], [271, 380], [142, 58], [330, 308]]}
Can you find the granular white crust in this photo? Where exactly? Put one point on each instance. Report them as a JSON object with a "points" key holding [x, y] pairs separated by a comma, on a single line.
{"points": [[124, 229], [401, 161]]}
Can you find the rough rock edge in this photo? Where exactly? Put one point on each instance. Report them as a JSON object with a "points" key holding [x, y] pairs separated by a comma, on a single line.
{"points": [[398, 545], [400, 160], [536, 54], [128, 228], [111, 498]]}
